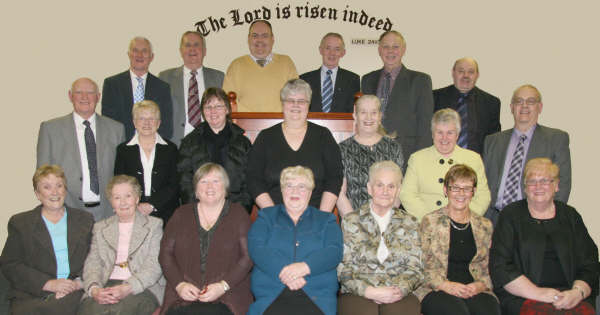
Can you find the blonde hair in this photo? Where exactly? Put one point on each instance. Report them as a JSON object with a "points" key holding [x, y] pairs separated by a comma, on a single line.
{"points": [[373, 98], [294, 172], [541, 166], [148, 105], [46, 170]]}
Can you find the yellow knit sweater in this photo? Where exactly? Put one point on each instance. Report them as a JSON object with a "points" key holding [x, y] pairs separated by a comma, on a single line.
{"points": [[257, 87]]}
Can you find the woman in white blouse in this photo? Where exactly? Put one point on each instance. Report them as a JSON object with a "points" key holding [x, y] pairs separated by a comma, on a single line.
{"points": [[152, 160]]}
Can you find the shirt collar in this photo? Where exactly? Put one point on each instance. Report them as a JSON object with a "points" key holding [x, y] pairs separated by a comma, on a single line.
{"points": [[268, 58], [188, 71], [79, 120], [135, 140], [133, 75], [333, 71]]}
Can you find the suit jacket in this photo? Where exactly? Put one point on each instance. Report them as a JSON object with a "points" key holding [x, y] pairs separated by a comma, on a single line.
{"points": [[117, 101], [409, 109], [346, 85], [174, 76], [28, 260], [227, 258], [142, 255], [57, 144], [483, 113], [435, 242], [165, 187], [519, 243], [545, 142]]}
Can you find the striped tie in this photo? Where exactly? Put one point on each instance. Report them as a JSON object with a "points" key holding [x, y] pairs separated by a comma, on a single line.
{"points": [[138, 96], [327, 94], [463, 140], [511, 190], [194, 115]]}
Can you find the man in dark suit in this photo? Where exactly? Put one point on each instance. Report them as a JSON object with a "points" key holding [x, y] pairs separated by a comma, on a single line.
{"points": [[479, 111], [193, 50], [333, 88], [122, 90], [69, 142], [406, 96], [505, 153]]}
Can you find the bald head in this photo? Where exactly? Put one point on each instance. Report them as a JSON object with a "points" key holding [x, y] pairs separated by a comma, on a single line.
{"points": [[84, 95], [465, 73]]}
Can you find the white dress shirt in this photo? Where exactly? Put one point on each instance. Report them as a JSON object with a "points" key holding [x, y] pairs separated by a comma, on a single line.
{"points": [[87, 195], [187, 75], [324, 76], [134, 81], [147, 161]]}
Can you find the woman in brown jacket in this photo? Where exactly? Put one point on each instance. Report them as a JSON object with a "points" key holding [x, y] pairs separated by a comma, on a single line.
{"points": [[204, 251]]}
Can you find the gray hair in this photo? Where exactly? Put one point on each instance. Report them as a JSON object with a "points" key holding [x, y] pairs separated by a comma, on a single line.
{"points": [[132, 42], [295, 86], [389, 166], [445, 116]]}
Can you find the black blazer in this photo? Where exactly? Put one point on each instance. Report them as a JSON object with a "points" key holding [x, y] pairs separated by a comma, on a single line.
{"points": [[28, 260], [117, 102], [165, 186], [346, 85], [483, 113], [518, 246]]}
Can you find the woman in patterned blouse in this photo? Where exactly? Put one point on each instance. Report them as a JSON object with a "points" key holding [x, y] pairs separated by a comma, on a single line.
{"points": [[370, 144]]}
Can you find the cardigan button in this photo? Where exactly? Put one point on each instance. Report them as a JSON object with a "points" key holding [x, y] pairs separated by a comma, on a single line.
{"points": [[439, 203], [442, 161], [441, 180]]}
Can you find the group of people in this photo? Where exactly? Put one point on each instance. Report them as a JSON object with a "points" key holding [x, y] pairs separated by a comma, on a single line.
{"points": [[478, 223]]}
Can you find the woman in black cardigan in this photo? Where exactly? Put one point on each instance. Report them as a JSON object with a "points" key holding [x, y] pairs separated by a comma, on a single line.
{"points": [[151, 160], [216, 140], [542, 259]]}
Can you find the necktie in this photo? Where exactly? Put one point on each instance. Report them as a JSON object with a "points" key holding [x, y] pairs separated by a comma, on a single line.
{"points": [[261, 62], [327, 94], [462, 111], [385, 92], [511, 190], [138, 96], [90, 149], [194, 115]]}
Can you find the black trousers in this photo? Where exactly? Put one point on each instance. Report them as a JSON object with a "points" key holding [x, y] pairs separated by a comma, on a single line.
{"points": [[442, 303], [293, 303], [200, 308]]}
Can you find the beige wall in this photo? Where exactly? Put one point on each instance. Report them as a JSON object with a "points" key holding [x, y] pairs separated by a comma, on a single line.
{"points": [[552, 45]]}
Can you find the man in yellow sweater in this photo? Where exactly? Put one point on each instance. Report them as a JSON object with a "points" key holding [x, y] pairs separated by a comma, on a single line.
{"points": [[258, 77]]}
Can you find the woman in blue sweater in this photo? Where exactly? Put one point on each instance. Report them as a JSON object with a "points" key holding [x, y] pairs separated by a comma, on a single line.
{"points": [[296, 249]]}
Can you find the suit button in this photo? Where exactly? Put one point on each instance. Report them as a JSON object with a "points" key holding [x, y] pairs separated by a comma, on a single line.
{"points": [[441, 180], [439, 203]]}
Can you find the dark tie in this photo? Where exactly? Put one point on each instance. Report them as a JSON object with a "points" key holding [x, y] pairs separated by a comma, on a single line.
{"points": [[327, 95], [461, 108], [90, 149], [385, 91], [261, 62], [194, 115], [511, 189]]}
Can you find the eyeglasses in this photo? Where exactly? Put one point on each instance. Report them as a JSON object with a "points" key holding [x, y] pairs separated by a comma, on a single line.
{"points": [[466, 190], [301, 187], [293, 101], [541, 181], [520, 101], [216, 107]]}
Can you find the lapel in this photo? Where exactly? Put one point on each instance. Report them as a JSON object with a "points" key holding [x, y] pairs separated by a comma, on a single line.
{"points": [[337, 90], [110, 233], [149, 88], [177, 86], [70, 136], [139, 232], [317, 78], [503, 142], [102, 145], [537, 137], [441, 241], [371, 227], [127, 89], [133, 154], [76, 233], [479, 234], [42, 236], [562, 238], [371, 85]]}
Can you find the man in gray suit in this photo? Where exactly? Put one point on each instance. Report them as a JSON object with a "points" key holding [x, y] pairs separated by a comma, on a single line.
{"points": [[71, 141], [406, 96], [501, 151], [193, 50]]}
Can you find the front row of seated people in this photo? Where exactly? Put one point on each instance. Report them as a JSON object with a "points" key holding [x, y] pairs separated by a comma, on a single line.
{"points": [[541, 260]]}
